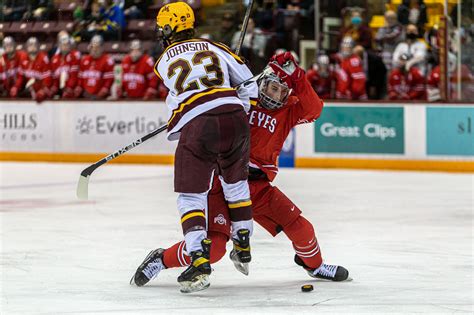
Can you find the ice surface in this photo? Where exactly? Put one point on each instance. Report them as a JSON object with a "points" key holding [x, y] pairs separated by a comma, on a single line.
{"points": [[406, 238]]}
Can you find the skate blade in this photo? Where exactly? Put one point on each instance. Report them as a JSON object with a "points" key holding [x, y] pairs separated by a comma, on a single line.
{"points": [[200, 283], [242, 267]]}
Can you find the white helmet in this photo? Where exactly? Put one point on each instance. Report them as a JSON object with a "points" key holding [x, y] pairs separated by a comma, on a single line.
{"points": [[273, 93]]}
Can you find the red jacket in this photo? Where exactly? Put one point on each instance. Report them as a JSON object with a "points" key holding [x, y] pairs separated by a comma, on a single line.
{"points": [[37, 71], [9, 69], [138, 78], [356, 77], [323, 85], [270, 128], [467, 81], [96, 76], [406, 86], [65, 67]]}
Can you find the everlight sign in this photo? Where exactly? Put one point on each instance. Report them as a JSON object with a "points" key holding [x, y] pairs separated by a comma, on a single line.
{"points": [[342, 129]]}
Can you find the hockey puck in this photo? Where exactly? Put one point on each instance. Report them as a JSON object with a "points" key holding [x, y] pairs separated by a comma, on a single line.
{"points": [[307, 288]]}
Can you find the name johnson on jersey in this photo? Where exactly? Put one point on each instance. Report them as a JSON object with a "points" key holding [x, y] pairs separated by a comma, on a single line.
{"points": [[185, 47]]}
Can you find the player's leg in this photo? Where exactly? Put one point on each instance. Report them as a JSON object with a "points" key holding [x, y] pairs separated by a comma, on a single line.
{"points": [[233, 164], [274, 211], [195, 160], [218, 227]]}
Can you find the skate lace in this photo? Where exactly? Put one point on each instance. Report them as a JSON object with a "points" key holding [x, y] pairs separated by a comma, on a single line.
{"points": [[153, 268], [327, 270]]}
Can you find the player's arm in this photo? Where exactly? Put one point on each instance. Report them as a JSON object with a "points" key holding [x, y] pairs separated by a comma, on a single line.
{"points": [[238, 73], [309, 106], [72, 81], [108, 78], [418, 88]]}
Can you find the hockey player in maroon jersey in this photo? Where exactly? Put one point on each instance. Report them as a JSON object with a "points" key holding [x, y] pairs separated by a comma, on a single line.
{"points": [[352, 66], [322, 77], [138, 79], [96, 72], [65, 68], [9, 64], [34, 73], [406, 84], [271, 120]]}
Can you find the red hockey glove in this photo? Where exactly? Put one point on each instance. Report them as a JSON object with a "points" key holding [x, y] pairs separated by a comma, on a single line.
{"points": [[68, 93], [77, 92], [40, 96], [286, 68], [14, 92], [149, 94], [103, 92]]}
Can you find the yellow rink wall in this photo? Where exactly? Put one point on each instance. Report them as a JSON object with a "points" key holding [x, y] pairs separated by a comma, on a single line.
{"points": [[421, 137]]}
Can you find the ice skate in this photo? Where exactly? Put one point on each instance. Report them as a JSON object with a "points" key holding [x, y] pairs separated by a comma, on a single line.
{"points": [[240, 255], [196, 277], [326, 272], [149, 268]]}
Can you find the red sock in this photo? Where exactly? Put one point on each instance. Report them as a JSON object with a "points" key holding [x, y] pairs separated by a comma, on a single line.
{"points": [[176, 255], [306, 246]]}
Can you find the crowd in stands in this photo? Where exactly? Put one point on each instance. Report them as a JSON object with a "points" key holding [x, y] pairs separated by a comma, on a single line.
{"points": [[397, 62]]}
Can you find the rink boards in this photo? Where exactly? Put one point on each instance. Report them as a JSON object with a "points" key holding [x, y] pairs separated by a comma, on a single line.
{"points": [[365, 135]]}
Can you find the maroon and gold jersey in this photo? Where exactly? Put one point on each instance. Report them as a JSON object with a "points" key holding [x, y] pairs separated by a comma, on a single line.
{"points": [[270, 128]]}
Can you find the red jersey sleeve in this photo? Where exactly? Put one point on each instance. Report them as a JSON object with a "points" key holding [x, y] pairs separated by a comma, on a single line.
{"points": [[305, 106], [150, 76], [417, 86], [46, 78], [74, 65], [393, 83], [108, 73]]}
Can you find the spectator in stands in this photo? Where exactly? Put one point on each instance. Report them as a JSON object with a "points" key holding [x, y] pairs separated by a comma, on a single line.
{"points": [[406, 83], [138, 79], [414, 48], [34, 74], [253, 46], [96, 72], [322, 77], [14, 10], [39, 10], [356, 79], [358, 31], [10, 62], [91, 24], [65, 68], [375, 71], [114, 19], [389, 36], [136, 9], [467, 82], [413, 12], [227, 29]]}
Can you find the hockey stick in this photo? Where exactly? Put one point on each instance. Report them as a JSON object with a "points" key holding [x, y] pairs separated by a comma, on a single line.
{"points": [[244, 27], [83, 184]]}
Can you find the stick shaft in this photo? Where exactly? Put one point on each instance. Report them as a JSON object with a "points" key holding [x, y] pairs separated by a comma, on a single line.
{"points": [[244, 27], [88, 171]]}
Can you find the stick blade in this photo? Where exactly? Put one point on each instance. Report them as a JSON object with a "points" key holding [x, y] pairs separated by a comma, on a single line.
{"points": [[83, 188]]}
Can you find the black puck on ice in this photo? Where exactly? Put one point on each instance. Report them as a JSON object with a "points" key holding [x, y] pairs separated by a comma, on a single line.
{"points": [[307, 288]]}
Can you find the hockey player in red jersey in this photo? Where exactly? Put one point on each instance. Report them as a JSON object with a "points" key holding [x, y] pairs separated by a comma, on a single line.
{"points": [[65, 68], [406, 84], [351, 64], [9, 64], [138, 79], [322, 77], [467, 81], [271, 120], [34, 73], [96, 72]]}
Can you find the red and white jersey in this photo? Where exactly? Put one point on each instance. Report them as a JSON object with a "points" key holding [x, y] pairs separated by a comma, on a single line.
{"points": [[323, 85], [467, 81], [200, 76], [9, 68], [96, 73], [138, 77], [37, 70], [65, 67], [406, 86], [270, 128], [356, 77]]}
